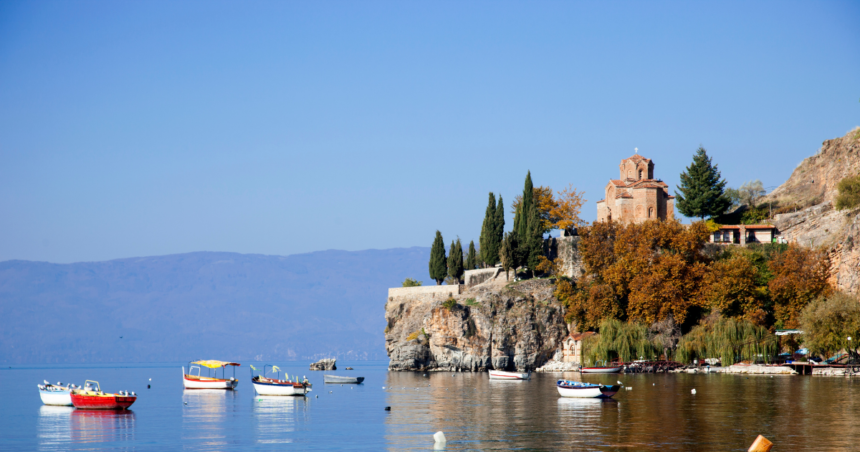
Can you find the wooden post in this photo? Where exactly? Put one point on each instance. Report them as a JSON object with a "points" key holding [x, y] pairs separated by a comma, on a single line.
{"points": [[761, 444]]}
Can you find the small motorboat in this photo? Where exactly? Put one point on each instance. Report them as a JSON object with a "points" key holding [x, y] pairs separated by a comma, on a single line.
{"points": [[91, 397], [56, 394], [503, 375], [602, 369], [567, 388], [192, 381], [342, 380], [265, 386]]}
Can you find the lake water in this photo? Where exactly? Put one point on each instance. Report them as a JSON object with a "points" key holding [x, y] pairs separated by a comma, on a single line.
{"points": [[659, 413]]}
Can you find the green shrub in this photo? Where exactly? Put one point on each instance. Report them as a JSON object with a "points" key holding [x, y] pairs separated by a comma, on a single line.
{"points": [[409, 282], [449, 303], [849, 193], [472, 302], [828, 322], [755, 215]]}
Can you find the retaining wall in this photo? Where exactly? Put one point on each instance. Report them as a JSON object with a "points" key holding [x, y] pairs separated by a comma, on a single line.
{"points": [[441, 291]]}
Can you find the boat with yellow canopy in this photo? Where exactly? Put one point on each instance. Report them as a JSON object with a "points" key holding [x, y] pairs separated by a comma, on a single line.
{"points": [[198, 381]]}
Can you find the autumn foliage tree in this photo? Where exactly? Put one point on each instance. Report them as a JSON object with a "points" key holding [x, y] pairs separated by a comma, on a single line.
{"points": [[799, 276]]}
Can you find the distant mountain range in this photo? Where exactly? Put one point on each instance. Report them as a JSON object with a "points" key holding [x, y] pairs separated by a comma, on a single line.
{"points": [[205, 305]]}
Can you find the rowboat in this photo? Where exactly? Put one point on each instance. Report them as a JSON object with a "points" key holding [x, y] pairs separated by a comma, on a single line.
{"points": [[342, 380], [602, 370], [56, 394], [265, 386], [192, 381], [91, 397], [502, 375], [567, 388]]}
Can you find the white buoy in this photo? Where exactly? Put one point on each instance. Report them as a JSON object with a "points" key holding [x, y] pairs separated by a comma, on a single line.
{"points": [[693, 391], [620, 383], [439, 437]]}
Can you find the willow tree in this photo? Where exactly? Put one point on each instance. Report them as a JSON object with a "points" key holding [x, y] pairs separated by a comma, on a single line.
{"points": [[620, 340], [728, 339]]}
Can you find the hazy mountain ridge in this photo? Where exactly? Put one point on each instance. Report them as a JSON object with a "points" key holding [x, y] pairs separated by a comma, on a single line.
{"points": [[201, 305]]}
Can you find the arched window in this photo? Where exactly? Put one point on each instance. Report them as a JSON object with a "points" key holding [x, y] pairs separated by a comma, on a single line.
{"points": [[640, 174], [650, 212]]}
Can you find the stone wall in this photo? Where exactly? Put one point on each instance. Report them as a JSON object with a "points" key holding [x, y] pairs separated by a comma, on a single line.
{"points": [[568, 249], [432, 291], [481, 275]]}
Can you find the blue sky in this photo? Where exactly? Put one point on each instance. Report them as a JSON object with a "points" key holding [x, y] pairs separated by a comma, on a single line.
{"points": [[148, 128]]}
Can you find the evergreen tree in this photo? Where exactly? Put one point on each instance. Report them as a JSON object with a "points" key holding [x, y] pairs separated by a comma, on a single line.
{"points": [[455, 260], [702, 193], [523, 210], [508, 253], [438, 261], [534, 239], [499, 233], [471, 257], [489, 246]]}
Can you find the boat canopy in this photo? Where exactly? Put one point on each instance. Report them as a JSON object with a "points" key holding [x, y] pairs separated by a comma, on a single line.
{"points": [[214, 364]]}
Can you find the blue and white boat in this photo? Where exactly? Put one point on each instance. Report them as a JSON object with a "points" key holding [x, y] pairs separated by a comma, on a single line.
{"points": [[56, 394], [567, 388]]}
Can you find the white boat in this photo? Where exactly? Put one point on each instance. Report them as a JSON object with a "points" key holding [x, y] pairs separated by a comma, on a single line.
{"points": [[192, 381], [601, 370], [580, 389], [503, 375], [56, 394], [265, 386], [338, 379]]}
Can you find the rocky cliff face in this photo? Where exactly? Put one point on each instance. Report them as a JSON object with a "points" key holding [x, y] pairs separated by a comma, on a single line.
{"points": [[815, 223], [495, 325]]}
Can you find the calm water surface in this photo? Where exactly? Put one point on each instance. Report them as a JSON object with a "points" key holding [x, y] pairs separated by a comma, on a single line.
{"points": [[659, 413]]}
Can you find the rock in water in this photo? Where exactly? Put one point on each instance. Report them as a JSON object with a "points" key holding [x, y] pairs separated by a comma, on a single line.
{"points": [[324, 364]]}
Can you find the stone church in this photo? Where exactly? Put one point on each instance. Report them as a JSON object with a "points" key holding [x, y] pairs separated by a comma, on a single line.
{"points": [[636, 196]]}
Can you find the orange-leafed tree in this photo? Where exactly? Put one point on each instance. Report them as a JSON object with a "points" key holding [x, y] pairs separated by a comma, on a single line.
{"points": [[565, 209], [799, 276], [731, 287]]}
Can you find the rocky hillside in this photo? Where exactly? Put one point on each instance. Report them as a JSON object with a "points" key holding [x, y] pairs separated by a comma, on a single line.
{"points": [[495, 325], [811, 219]]}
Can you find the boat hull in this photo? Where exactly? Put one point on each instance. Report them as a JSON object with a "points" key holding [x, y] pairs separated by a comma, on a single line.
{"points": [[102, 402], [276, 389], [588, 392], [601, 370], [337, 379], [502, 375], [194, 382], [56, 398]]}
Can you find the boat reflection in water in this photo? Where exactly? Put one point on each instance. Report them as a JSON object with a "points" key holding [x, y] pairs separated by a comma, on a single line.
{"points": [[275, 417], [102, 426], [206, 418], [54, 428]]}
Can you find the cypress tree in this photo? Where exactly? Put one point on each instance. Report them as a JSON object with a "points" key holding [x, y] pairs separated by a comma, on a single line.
{"points": [[702, 193], [508, 253], [489, 247], [534, 248], [455, 260], [523, 210], [471, 257], [499, 232], [438, 261]]}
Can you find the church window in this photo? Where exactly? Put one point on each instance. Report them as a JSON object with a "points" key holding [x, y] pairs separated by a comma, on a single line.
{"points": [[650, 212], [640, 174]]}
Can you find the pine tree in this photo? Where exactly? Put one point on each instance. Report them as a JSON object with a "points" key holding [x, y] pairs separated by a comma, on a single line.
{"points": [[472, 257], [455, 260], [438, 261], [489, 247], [702, 193]]}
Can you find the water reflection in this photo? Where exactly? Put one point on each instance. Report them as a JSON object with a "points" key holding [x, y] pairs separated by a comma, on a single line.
{"points": [[275, 417], [54, 427], [99, 426], [206, 416]]}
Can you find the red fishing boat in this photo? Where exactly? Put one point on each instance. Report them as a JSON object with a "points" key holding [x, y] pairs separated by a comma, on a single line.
{"points": [[91, 397]]}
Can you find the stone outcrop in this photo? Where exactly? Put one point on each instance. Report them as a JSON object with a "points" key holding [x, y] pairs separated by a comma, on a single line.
{"points": [[324, 364], [494, 325], [811, 190]]}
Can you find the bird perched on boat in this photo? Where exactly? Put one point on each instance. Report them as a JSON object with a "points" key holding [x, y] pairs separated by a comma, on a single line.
{"points": [[46, 382]]}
